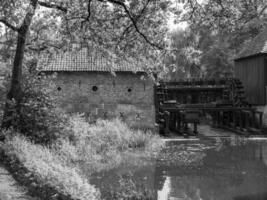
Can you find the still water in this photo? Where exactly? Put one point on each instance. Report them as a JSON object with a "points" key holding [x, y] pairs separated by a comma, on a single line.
{"points": [[218, 168]]}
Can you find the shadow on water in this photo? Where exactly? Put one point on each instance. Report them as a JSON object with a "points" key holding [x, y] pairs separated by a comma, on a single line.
{"points": [[260, 196], [208, 169]]}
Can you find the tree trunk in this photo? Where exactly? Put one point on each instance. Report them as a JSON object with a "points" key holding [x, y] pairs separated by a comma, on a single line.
{"points": [[12, 107], [14, 94]]}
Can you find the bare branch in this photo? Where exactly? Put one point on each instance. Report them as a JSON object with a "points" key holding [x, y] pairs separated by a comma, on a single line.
{"points": [[89, 13], [127, 29], [120, 3], [5, 22], [256, 15], [43, 47], [262, 10], [52, 5]]}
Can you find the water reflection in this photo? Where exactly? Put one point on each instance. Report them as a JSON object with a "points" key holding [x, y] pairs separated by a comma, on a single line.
{"points": [[210, 169], [165, 191]]}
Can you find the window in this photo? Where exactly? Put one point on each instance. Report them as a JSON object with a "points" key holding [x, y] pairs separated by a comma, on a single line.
{"points": [[129, 90], [59, 89], [94, 88]]}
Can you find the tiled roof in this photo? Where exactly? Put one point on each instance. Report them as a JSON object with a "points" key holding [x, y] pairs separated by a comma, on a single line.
{"points": [[256, 46], [86, 60]]}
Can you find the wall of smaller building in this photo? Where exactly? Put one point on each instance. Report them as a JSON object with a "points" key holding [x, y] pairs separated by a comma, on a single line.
{"points": [[102, 95], [251, 72]]}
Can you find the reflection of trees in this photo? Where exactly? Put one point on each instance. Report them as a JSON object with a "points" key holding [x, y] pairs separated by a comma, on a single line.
{"points": [[189, 154], [236, 167], [259, 196], [177, 157], [220, 169]]}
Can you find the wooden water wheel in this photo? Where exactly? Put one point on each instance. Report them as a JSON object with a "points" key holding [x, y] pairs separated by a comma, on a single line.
{"points": [[234, 93]]}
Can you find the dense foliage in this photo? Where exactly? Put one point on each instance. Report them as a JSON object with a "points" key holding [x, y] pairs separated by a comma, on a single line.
{"points": [[217, 31], [38, 118], [80, 151], [124, 28], [49, 169]]}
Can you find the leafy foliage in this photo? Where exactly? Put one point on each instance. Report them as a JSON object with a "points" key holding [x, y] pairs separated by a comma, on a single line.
{"points": [[221, 28], [49, 169], [81, 150], [126, 28], [100, 145], [185, 55], [38, 119], [123, 27]]}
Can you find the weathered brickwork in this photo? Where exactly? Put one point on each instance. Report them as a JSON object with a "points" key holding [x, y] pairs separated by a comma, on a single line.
{"points": [[103, 95]]}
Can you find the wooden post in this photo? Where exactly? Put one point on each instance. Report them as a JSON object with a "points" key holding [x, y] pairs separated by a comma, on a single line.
{"points": [[227, 121], [174, 121], [260, 122], [195, 128], [217, 118], [222, 118], [167, 122], [179, 121], [240, 121], [246, 120], [253, 122], [234, 119]]}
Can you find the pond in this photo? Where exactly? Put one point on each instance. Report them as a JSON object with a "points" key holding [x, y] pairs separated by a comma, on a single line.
{"points": [[214, 168]]}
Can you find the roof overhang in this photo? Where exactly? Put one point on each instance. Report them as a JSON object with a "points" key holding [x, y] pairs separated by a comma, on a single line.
{"points": [[250, 56]]}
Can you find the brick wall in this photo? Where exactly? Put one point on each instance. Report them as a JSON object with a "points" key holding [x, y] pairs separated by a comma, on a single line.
{"points": [[100, 94]]}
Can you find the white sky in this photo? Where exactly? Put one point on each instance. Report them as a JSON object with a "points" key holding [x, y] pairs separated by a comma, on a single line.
{"points": [[181, 25], [171, 23]]}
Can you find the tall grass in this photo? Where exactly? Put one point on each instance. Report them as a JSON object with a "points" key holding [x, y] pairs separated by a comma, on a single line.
{"points": [[49, 169], [98, 146]]}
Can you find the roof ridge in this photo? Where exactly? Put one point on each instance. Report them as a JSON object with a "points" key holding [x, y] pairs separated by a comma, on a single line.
{"points": [[87, 59]]}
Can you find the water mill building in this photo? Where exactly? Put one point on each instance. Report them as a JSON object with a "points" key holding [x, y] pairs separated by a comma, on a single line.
{"points": [[91, 83], [251, 69]]}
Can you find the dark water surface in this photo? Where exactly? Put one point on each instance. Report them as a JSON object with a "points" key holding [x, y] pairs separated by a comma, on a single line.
{"points": [[206, 169]]}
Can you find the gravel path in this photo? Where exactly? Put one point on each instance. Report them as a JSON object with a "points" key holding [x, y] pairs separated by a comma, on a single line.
{"points": [[9, 190]]}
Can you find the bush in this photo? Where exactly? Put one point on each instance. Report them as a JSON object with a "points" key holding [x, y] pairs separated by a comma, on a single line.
{"points": [[38, 117], [101, 145], [83, 147], [106, 133], [49, 169]]}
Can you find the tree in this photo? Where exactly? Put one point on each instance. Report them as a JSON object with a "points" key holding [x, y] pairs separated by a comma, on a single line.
{"points": [[223, 28], [184, 56], [125, 27]]}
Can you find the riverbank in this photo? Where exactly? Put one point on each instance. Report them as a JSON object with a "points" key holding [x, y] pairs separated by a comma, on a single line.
{"points": [[55, 170], [9, 189]]}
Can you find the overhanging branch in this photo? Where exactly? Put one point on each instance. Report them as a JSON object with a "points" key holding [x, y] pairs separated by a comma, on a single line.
{"points": [[9, 25], [52, 5], [136, 18], [134, 22], [89, 13]]}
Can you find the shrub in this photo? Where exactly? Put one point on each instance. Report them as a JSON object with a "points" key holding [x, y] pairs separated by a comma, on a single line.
{"points": [[106, 133], [50, 169], [38, 117], [101, 145], [83, 147]]}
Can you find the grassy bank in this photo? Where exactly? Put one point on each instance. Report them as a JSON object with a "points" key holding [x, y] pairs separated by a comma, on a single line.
{"points": [[99, 146]]}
